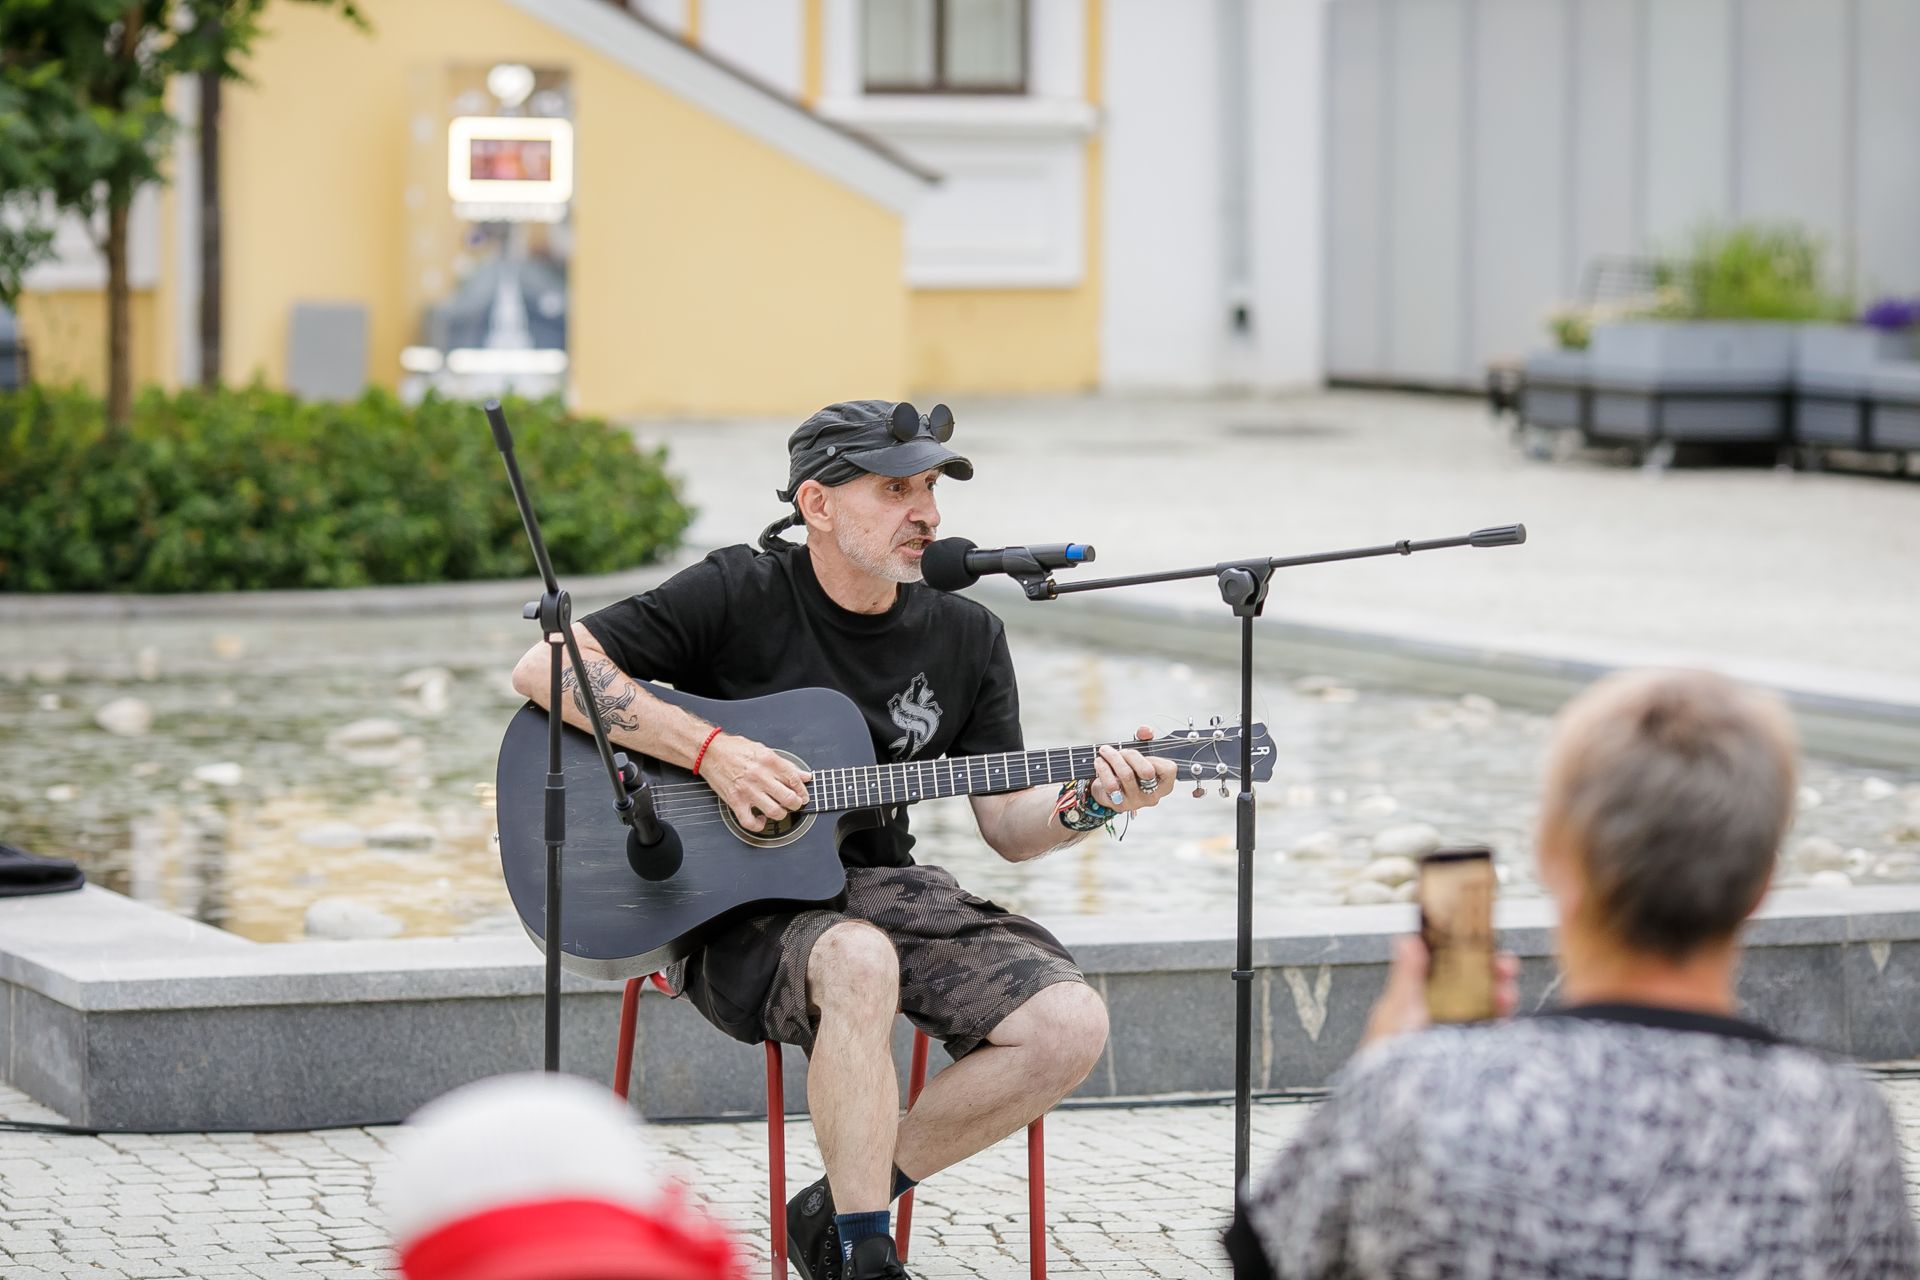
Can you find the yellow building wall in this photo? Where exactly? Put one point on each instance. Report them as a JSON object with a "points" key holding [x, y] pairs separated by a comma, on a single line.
{"points": [[66, 333], [711, 273]]}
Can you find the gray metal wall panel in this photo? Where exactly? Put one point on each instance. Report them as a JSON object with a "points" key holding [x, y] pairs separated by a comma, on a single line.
{"points": [[1425, 218], [1794, 112], [1519, 199], [1688, 134], [1607, 105], [1887, 172], [1356, 189]]}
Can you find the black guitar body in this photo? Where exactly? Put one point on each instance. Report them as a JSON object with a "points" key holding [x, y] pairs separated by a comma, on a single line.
{"points": [[612, 922]]}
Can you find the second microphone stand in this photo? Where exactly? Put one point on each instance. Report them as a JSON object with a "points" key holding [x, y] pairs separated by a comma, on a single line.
{"points": [[1243, 586]]}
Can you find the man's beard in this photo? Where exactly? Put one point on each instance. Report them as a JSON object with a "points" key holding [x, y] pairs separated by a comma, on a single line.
{"points": [[880, 561]]}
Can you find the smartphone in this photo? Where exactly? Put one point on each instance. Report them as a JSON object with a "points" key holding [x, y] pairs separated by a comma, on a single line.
{"points": [[1456, 922]]}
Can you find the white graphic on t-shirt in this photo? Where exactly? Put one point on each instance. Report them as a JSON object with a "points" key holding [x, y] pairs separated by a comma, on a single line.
{"points": [[914, 710]]}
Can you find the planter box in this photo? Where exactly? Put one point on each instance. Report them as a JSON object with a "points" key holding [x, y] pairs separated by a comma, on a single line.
{"points": [[1712, 381], [1894, 422], [1554, 390], [1832, 379]]}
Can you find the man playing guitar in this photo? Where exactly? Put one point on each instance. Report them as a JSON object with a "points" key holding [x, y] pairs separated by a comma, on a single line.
{"points": [[931, 674]]}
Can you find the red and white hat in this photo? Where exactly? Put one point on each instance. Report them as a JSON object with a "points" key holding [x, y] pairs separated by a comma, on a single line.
{"points": [[541, 1177]]}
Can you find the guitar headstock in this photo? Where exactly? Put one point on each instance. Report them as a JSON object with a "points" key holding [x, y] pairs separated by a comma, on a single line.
{"points": [[1212, 753]]}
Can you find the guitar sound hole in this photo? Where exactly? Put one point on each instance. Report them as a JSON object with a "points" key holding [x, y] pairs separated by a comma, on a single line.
{"points": [[778, 832], [779, 827]]}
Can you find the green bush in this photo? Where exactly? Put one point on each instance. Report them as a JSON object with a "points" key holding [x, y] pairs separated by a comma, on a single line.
{"points": [[250, 488], [1755, 271]]}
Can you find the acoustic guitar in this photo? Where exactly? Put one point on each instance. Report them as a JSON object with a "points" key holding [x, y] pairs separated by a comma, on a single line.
{"points": [[617, 925]]}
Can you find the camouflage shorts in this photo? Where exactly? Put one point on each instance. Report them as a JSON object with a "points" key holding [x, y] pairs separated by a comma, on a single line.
{"points": [[965, 963]]}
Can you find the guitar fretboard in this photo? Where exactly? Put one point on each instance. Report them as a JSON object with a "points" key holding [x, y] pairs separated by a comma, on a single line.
{"points": [[874, 786]]}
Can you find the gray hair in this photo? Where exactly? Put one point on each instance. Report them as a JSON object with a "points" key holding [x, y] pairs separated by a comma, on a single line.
{"points": [[1673, 789]]}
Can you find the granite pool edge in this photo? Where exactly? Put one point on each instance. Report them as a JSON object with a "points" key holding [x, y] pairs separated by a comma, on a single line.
{"points": [[162, 1027]]}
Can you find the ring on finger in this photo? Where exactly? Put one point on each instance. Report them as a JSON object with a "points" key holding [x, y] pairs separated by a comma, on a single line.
{"points": [[1149, 785], [1117, 796]]}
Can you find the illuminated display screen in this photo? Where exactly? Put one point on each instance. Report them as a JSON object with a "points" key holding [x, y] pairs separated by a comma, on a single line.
{"points": [[510, 159]]}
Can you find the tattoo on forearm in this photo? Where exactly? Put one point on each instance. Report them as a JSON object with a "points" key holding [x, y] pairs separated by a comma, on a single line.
{"points": [[616, 704]]}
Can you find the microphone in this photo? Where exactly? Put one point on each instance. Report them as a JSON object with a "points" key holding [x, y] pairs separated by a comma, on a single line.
{"points": [[654, 850], [954, 564]]}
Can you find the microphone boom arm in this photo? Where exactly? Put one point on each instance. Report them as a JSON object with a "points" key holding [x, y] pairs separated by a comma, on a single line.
{"points": [[1043, 587]]}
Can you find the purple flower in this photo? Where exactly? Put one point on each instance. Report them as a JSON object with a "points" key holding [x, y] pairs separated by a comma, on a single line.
{"points": [[1893, 314]]}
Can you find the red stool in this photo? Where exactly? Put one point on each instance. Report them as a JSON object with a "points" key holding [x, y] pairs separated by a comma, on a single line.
{"points": [[777, 1140]]}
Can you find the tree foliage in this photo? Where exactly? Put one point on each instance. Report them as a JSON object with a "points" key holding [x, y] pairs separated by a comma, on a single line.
{"points": [[84, 121]]}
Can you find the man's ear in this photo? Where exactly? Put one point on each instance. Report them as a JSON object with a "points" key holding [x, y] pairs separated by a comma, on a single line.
{"points": [[816, 506]]}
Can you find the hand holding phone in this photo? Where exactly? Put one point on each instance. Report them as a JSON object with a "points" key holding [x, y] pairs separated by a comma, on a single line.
{"points": [[1456, 924]]}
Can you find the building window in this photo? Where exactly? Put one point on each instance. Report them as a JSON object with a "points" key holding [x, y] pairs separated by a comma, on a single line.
{"points": [[945, 46]]}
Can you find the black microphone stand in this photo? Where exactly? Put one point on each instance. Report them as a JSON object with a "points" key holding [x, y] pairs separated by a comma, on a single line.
{"points": [[1243, 585], [653, 850]]}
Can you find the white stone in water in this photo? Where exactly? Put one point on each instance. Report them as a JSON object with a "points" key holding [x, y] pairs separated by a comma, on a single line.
{"points": [[348, 918], [62, 792], [1377, 806], [402, 835], [1325, 688], [1366, 893], [1829, 880], [361, 734], [1391, 871], [1411, 840], [146, 663], [333, 835], [1877, 789], [128, 717], [1479, 704], [1817, 853], [431, 686], [49, 702], [1808, 798], [1317, 844], [225, 773]]}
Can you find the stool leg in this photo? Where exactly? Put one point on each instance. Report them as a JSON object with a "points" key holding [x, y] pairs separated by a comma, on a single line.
{"points": [[777, 1157], [629, 1025], [1037, 1198], [916, 1081]]}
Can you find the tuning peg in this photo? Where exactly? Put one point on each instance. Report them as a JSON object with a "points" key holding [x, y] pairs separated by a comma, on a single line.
{"points": [[1199, 791], [1224, 793]]}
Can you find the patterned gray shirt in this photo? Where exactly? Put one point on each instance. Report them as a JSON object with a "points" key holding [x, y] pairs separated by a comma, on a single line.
{"points": [[1610, 1141]]}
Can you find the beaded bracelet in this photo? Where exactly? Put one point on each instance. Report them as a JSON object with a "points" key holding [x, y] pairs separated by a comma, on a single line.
{"points": [[702, 753], [1079, 811]]}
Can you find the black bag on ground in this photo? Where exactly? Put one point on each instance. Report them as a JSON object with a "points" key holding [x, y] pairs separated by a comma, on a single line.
{"points": [[22, 873]]}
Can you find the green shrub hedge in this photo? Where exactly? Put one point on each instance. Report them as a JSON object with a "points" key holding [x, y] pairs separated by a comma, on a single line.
{"points": [[250, 488]]}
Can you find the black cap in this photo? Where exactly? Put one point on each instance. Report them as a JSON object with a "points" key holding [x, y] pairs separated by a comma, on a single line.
{"points": [[879, 437]]}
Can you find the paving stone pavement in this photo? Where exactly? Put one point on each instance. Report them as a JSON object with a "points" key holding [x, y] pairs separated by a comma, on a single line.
{"points": [[1131, 1192]]}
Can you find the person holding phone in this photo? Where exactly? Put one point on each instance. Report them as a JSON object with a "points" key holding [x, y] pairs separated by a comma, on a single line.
{"points": [[1640, 1128]]}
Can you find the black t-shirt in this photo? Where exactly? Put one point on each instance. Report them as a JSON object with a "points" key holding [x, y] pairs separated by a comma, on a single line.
{"points": [[931, 675]]}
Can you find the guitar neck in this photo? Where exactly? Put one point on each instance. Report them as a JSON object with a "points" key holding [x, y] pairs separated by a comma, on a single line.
{"points": [[881, 785]]}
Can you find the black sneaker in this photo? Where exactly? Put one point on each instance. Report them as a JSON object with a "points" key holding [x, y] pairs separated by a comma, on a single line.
{"points": [[813, 1242], [874, 1259]]}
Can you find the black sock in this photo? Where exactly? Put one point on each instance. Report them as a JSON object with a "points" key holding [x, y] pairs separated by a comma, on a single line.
{"points": [[901, 1183], [855, 1227]]}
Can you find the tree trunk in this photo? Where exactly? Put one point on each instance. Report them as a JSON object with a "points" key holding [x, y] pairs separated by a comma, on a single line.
{"points": [[119, 313], [210, 229]]}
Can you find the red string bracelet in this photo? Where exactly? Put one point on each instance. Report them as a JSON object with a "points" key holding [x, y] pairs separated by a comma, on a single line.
{"points": [[702, 753]]}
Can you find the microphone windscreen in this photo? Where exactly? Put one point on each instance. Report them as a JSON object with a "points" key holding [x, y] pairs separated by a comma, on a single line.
{"points": [[944, 565]]}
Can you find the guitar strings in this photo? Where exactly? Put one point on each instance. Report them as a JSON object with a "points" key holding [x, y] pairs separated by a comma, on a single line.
{"points": [[666, 788], [678, 805]]}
